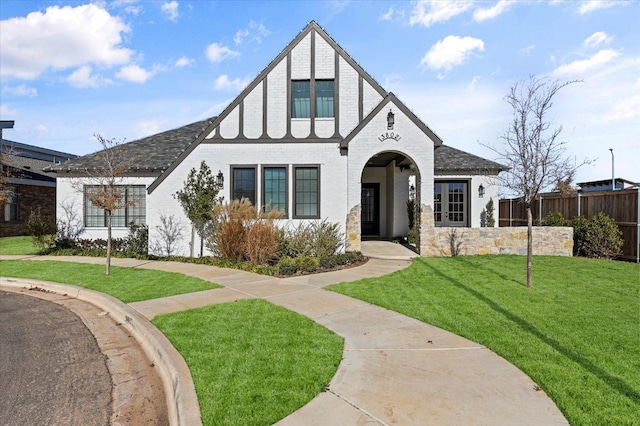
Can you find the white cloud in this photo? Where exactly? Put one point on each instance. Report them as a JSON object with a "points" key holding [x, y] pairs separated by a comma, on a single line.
{"points": [[61, 38], [429, 12], [450, 52], [83, 78], [184, 62], [5, 110], [217, 53], [528, 49], [388, 15], [577, 69], [593, 5], [21, 90], [596, 39], [133, 10], [482, 14], [170, 10], [134, 74], [144, 128], [223, 83], [255, 32]]}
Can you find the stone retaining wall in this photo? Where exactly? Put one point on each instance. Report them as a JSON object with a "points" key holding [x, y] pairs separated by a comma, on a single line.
{"points": [[547, 240]]}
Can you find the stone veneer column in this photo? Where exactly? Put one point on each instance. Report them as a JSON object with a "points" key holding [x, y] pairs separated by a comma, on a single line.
{"points": [[354, 241], [427, 230]]}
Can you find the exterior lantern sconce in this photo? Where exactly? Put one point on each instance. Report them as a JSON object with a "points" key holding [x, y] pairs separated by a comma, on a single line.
{"points": [[390, 120], [412, 192], [481, 191], [220, 180]]}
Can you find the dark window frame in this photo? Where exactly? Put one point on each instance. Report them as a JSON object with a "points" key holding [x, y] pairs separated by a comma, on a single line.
{"points": [[444, 205], [265, 200], [312, 99], [131, 214], [295, 214], [254, 167]]}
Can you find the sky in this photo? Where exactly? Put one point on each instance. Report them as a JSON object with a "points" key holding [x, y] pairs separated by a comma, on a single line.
{"points": [[127, 69]]}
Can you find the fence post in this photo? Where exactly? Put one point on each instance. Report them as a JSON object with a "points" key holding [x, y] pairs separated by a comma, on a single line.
{"points": [[638, 226], [510, 212], [540, 211], [579, 203]]}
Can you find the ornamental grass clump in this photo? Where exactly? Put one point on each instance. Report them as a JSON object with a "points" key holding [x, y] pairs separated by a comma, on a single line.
{"points": [[241, 231]]}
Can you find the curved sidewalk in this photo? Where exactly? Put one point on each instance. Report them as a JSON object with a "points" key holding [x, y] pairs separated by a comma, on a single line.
{"points": [[395, 370]]}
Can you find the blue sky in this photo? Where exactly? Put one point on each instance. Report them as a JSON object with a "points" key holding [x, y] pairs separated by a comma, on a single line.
{"points": [[127, 69]]}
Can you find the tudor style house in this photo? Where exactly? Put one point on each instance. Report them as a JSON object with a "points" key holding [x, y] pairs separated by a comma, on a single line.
{"points": [[315, 136]]}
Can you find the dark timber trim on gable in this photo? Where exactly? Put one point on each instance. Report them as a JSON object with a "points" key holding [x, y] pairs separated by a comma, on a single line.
{"points": [[390, 98], [313, 28]]}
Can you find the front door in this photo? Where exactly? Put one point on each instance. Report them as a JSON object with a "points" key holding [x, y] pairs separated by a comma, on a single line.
{"points": [[370, 216], [450, 203]]}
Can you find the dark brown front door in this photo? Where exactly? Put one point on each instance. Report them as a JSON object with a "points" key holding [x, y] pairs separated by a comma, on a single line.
{"points": [[370, 216]]}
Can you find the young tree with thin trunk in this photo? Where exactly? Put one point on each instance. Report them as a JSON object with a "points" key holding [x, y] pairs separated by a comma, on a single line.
{"points": [[103, 184], [532, 149], [197, 197]]}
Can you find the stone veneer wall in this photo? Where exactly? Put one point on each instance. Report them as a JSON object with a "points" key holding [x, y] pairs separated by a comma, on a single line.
{"points": [[354, 240], [547, 240]]}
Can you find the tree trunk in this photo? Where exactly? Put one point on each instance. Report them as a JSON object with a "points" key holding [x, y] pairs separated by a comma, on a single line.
{"points": [[108, 271], [193, 232], [529, 247]]}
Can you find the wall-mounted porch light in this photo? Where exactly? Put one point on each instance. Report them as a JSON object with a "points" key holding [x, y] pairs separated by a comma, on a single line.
{"points": [[481, 191], [219, 180], [390, 120]]}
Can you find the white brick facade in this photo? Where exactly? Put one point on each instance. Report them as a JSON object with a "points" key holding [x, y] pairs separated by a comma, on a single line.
{"points": [[257, 130]]}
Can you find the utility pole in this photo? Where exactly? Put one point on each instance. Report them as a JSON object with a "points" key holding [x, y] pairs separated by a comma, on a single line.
{"points": [[613, 175]]}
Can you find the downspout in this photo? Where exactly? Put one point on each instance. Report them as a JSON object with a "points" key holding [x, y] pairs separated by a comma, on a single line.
{"points": [[579, 203], [510, 212], [540, 211]]}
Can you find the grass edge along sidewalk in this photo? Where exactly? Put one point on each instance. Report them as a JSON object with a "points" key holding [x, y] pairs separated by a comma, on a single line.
{"points": [[126, 284], [575, 333]]}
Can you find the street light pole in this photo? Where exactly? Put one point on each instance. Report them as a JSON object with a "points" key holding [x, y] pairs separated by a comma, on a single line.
{"points": [[613, 176]]}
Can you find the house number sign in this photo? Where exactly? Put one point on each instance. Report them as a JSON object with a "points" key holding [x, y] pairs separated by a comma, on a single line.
{"points": [[389, 135]]}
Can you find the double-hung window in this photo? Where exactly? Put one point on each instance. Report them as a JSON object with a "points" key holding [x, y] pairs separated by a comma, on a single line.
{"points": [[244, 183], [301, 99], [324, 98], [306, 191], [133, 202], [274, 188]]}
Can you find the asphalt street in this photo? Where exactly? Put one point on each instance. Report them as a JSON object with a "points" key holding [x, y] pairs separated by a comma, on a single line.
{"points": [[51, 368]]}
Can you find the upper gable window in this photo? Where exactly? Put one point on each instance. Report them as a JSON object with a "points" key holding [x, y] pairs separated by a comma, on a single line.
{"points": [[301, 99], [324, 98]]}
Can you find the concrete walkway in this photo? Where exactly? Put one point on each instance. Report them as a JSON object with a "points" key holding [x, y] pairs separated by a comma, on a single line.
{"points": [[395, 370]]}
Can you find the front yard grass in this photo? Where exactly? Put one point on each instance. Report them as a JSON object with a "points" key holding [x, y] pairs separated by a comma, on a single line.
{"points": [[576, 333], [127, 284], [17, 245], [253, 363]]}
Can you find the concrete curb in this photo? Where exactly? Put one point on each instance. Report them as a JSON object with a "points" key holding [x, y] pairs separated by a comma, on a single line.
{"points": [[181, 398]]}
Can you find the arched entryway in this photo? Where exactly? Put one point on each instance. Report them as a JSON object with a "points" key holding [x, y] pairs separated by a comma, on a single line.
{"points": [[388, 181]]}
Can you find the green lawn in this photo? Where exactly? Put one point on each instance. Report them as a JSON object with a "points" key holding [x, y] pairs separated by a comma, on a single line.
{"points": [[126, 284], [576, 333], [17, 245], [253, 363]]}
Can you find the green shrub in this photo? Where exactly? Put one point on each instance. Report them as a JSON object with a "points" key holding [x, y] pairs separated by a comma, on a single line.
{"points": [[314, 238], [293, 265], [43, 229], [602, 238], [579, 224], [137, 240], [555, 219], [490, 218]]}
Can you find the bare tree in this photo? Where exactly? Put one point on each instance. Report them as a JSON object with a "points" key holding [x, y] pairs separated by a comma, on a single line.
{"points": [[169, 232], [532, 149], [104, 184]]}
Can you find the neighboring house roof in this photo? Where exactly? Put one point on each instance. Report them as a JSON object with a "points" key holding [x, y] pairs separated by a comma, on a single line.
{"points": [[154, 153], [36, 152], [26, 169], [451, 160], [606, 182]]}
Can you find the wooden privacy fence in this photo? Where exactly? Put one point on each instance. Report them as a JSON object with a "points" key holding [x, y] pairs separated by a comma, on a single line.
{"points": [[621, 206]]}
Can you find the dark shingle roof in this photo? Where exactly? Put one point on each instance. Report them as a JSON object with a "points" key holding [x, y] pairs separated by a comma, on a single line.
{"points": [[448, 159], [154, 153], [27, 168]]}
